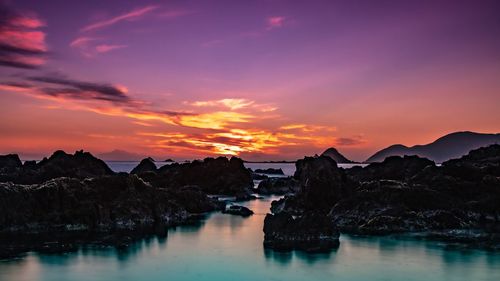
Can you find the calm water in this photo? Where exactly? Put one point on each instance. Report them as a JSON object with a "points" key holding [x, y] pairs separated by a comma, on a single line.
{"points": [[225, 247]]}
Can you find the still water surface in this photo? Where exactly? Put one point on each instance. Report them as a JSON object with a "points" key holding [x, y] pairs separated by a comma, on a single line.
{"points": [[225, 247]]}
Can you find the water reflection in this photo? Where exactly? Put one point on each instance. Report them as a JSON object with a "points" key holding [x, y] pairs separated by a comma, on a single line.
{"points": [[286, 258], [226, 247]]}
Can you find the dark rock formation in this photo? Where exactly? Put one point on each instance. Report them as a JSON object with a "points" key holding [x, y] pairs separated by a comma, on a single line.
{"points": [[462, 194], [392, 168], [146, 165], [311, 232], [278, 186], [213, 176], [80, 165], [10, 165], [335, 155], [72, 210], [270, 171], [404, 194], [238, 210], [321, 182]]}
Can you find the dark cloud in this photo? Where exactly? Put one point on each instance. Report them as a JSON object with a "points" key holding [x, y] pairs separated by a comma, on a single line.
{"points": [[82, 90], [349, 141]]}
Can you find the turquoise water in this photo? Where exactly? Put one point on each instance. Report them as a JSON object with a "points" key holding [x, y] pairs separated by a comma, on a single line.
{"points": [[225, 247]]}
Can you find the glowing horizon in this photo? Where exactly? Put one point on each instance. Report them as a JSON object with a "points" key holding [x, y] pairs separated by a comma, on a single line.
{"points": [[274, 81]]}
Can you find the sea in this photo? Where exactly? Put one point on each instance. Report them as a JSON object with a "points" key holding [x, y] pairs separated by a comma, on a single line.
{"points": [[224, 247]]}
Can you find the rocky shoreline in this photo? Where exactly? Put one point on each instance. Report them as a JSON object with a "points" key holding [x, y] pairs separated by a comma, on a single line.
{"points": [[69, 200], [457, 202]]}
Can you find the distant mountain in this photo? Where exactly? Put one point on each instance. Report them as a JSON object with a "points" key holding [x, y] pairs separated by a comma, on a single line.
{"points": [[120, 155], [335, 155], [451, 146]]}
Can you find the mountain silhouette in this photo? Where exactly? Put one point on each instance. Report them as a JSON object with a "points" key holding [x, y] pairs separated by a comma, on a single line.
{"points": [[335, 155], [450, 146]]}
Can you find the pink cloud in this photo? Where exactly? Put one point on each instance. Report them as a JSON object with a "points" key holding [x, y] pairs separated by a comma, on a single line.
{"points": [[130, 16], [275, 22], [107, 48], [24, 45], [81, 42], [27, 22]]}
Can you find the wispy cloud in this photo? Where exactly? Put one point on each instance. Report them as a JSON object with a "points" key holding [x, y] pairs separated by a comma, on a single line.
{"points": [[275, 22], [130, 16], [22, 45], [89, 46], [232, 104], [104, 48]]}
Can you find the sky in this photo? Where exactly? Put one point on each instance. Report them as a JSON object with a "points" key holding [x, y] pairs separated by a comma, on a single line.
{"points": [[263, 79]]}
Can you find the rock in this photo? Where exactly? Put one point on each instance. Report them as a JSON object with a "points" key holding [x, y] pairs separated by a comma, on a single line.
{"points": [[335, 155], [146, 165], [270, 171], [80, 165], [259, 176], [392, 168], [85, 210], [212, 176], [311, 232], [10, 167], [321, 182], [278, 186], [238, 210]]}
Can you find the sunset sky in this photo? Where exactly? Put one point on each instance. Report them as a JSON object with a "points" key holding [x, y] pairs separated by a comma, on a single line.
{"points": [[259, 79]]}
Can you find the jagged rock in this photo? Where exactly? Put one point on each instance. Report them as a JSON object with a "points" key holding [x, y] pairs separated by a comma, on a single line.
{"points": [[146, 165], [392, 168], [270, 171], [72, 209], [213, 176], [322, 183], [10, 167], [80, 165], [311, 232], [238, 210], [278, 186]]}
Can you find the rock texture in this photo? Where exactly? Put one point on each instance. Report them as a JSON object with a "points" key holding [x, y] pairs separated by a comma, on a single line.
{"points": [[278, 186], [405, 194], [312, 232], [270, 171], [238, 210], [212, 176], [79, 165], [106, 207]]}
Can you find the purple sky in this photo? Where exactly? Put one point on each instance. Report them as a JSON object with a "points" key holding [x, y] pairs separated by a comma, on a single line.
{"points": [[259, 79]]}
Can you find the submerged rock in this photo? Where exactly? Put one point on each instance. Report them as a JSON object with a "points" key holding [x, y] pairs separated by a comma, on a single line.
{"points": [[238, 210], [311, 232], [270, 171]]}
